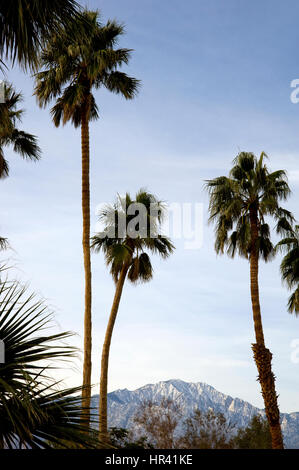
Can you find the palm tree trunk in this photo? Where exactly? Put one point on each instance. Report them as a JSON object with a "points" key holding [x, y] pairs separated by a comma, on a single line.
{"points": [[103, 427], [262, 355], [86, 257]]}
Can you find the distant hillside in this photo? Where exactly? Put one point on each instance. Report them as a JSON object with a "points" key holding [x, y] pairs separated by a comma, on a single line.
{"points": [[122, 405]]}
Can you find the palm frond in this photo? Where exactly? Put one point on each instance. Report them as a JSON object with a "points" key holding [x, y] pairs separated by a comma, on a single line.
{"points": [[26, 24], [21, 318], [3, 243], [140, 269], [23, 143], [293, 302], [34, 411], [4, 166], [121, 83]]}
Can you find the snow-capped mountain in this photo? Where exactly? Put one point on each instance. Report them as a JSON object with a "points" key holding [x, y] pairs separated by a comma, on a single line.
{"points": [[122, 405]]}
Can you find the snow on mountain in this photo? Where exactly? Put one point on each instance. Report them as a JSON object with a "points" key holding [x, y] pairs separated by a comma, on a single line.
{"points": [[122, 405]]}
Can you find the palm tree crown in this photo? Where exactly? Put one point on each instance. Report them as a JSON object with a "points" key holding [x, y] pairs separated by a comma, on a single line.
{"points": [[22, 143], [117, 243], [73, 66], [290, 266], [249, 191]]}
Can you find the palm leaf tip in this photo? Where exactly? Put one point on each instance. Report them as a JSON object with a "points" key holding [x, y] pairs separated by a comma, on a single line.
{"points": [[3, 243], [293, 302]]}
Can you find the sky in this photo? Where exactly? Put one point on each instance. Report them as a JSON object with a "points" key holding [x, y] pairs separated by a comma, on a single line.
{"points": [[215, 80]]}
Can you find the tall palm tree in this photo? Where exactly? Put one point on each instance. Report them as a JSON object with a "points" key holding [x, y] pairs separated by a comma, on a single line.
{"points": [[34, 411], [124, 254], [25, 24], [238, 206], [22, 143], [72, 69], [290, 266]]}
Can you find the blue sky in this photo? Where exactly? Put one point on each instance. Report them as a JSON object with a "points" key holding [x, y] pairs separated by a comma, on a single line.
{"points": [[215, 80]]}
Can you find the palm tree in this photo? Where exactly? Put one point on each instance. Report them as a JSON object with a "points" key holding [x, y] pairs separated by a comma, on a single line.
{"points": [[124, 254], [72, 71], [238, 206], [34, 412], [22, 143], [25, 24], [290, 266]]}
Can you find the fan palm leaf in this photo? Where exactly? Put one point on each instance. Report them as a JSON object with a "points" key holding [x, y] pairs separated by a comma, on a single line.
{"points": [[34, 411], [26, 24], [289, 267]]}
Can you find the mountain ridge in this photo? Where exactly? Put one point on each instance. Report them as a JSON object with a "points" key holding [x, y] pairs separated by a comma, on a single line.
{"points": [[122, 405]]}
